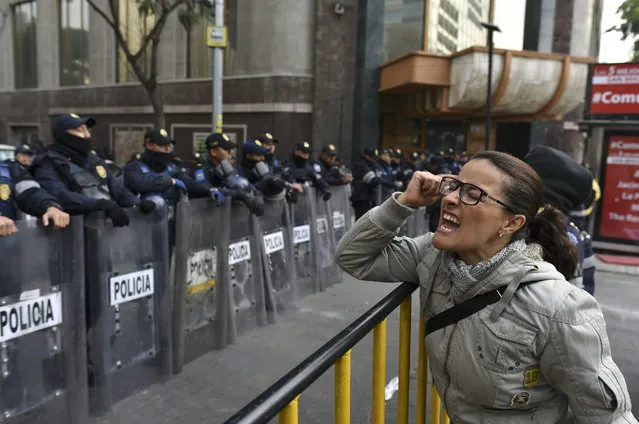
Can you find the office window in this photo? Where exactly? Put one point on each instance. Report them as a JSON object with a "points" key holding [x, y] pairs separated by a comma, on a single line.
{"points": [[474, 18], [199, 56], [74, 42], [476, 6], [24, 45], [134, 27], [446, 25], [403, 27], [450, 9], [446, 42]]}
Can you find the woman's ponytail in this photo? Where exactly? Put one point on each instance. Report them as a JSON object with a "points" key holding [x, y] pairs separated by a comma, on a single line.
{"points": [[548, 228]]}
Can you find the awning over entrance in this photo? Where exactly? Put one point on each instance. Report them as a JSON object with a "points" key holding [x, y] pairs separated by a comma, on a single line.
{"points": [[526, 85]]}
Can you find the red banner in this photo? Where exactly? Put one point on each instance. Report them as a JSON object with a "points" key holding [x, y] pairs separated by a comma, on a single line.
{"points": [[620, 203], [615, 90]]}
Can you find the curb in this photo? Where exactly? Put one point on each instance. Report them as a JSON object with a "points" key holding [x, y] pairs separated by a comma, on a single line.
{"points": [[618, 269]]}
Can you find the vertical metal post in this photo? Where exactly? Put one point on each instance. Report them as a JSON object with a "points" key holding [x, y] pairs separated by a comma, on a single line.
{"points": [[218, 68], [404, 360], [290, 413], [343, 389], [435, 406], [489, 94], [379, 372], [422, 374]]}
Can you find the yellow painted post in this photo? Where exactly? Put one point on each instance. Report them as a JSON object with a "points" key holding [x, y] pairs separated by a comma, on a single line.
{"points": [[379, 372], [404, 361], [343, 389], [446, 418], [290, 413], [422, 374], [435, 407]]}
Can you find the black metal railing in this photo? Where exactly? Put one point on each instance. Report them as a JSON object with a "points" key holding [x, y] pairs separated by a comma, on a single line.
{"points": [[279, 395]]}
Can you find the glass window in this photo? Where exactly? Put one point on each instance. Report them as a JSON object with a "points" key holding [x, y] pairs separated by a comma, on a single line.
{"points": [[199, 56], [24, 45], [135, 27], [74, 42], [442, 135], [403, 27]]}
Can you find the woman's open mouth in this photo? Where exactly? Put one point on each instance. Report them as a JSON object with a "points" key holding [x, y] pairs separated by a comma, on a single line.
{"points": [[448, 223]]}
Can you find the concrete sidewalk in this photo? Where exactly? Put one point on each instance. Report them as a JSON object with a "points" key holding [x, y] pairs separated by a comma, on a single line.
{"points": [[617, 269]]}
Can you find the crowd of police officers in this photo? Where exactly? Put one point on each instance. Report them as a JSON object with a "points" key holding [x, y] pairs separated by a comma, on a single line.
{"points": [[69, 178]]}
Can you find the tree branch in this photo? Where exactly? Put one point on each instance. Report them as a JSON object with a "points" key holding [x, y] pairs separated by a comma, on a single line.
{"points": [[159, 25], [114, 24]]}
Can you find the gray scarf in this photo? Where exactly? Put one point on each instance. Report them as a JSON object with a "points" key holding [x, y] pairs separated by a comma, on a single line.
{"points": [[463, 276]]}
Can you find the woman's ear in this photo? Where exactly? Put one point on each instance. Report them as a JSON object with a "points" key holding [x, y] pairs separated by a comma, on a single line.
{"points": [[515, 223]]}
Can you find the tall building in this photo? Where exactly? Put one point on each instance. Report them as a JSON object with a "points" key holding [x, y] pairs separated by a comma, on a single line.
{"points": [[571, 27]]}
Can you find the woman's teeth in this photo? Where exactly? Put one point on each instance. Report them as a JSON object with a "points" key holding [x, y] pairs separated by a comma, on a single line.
{"points": [[451, 218]]}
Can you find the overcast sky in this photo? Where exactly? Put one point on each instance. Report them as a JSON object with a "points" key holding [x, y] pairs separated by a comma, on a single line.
{"points": [[510, 14]]}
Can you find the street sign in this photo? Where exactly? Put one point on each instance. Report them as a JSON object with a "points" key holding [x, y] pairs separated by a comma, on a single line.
{"points": [[216, 36]]}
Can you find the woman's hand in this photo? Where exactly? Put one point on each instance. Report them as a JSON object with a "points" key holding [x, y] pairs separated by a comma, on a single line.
{"points": [[422, 190]]}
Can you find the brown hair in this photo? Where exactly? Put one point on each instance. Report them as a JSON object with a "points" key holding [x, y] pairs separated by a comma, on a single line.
{"points": [[524, 193]]}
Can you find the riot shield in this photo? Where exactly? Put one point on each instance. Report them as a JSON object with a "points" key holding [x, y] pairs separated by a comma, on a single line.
{"points": [[341, 211], [304, 246], [42, 325], [247, 309], [201, 291], [129, 305], [329, 271], [277, 253], [416, 224]]}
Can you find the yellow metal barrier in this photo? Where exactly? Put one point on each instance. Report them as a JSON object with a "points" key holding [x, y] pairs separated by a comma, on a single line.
{"points": [[343, 389], [290, 414], [379, 372], [266, 405], [404, 361]]}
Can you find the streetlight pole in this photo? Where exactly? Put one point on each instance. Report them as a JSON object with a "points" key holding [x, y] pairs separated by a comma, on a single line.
{"points": [[491, 29], [218, 68]]}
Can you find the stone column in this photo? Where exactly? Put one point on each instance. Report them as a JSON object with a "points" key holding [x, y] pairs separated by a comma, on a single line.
{"points": [[48, 45]]}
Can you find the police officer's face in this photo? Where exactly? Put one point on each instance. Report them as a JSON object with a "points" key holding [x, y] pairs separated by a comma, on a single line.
{"points": [[82, 131], [385, 157], [255, 158], [270, 147], [329, 159], [302, 154], [157, 148], [222, 154], [23, 159]]}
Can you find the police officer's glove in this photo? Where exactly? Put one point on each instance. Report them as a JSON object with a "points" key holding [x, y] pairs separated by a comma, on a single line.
{"points": [[218, 196], [326, 196], [147, 206], [117, 215], [255, 205], [291, 195], [179, 184]]}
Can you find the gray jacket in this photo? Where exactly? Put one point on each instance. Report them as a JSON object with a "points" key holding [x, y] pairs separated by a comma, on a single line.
{"points": [[539, 355]]}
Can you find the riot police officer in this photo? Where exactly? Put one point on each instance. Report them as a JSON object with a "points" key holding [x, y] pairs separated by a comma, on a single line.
{"points": [[327, 166], [395, 164], [298, 169], [78, 179], [566, 186], [156, 173], [366, 180], [23, 156], [219, 173], [257, 172], [268, 142], [18, 188], [408, 167]]}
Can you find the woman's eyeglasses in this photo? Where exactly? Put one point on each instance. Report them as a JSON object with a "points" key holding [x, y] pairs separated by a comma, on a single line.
{"points": [[469, 194]]}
